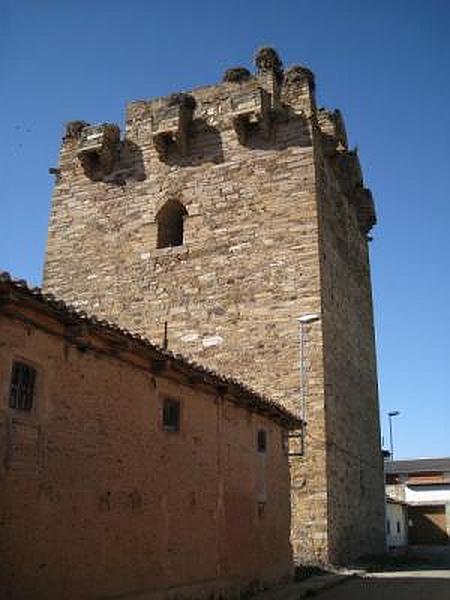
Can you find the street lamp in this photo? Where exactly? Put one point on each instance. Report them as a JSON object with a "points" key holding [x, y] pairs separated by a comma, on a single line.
{"points": [[304, 321], [391, 414]]}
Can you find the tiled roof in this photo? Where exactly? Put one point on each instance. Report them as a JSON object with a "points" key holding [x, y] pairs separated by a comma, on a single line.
{"points": [[417, 465], [17, 289]]}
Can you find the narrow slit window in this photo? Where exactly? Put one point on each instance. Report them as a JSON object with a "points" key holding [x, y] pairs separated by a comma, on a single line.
{"points": [[170, 223], [23, 382], [262, 440], [171, 415]]}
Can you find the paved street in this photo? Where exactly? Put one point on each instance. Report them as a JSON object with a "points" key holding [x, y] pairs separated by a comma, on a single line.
{"points": [[423, 573], [427, 577], [414, 586]]}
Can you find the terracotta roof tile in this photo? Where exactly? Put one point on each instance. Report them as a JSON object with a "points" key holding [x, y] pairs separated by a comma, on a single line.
{"points": [[241, 394], [418, 465]]}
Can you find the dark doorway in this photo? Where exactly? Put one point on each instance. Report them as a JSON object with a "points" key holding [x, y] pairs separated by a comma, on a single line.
{"points": [[427, 525]]}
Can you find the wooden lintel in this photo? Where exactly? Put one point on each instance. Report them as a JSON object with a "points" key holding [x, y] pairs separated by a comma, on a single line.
{"points": [[194, 378], [221, 388], [76, 330], [158, 365]]}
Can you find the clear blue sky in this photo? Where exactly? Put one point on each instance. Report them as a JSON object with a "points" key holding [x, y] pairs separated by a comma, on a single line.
{"points": [[385, 63]]}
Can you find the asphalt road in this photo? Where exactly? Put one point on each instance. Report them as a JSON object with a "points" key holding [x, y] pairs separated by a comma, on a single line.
{"points": [[411, 586], [420, 573], [427, 577]]}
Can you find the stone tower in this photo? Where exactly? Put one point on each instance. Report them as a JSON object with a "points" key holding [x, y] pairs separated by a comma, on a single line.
{"points": [[217, 219]]}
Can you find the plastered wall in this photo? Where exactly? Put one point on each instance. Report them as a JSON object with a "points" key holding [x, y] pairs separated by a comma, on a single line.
{"points": [[98, 501]]}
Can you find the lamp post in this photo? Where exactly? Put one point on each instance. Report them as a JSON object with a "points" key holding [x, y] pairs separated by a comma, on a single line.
{"points": [[391, 414], [304, 321]]}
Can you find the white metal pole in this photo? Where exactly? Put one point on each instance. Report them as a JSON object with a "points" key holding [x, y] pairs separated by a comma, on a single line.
{"points": [[304, 320]]}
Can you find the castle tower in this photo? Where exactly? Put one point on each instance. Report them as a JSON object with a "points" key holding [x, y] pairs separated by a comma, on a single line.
{"points": [[220, 217]]}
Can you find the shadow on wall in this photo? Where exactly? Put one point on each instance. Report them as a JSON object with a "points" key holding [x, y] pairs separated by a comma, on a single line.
{"points": [[204, 146], [125, 162], [131, 160], [286, 129], [425, 527]]}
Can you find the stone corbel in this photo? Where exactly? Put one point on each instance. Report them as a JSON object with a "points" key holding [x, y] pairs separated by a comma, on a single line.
{"points": [[349, 170], [365, 210], [251, 110], [333, 129], [171, 125], [98, 149], [269, 68]]}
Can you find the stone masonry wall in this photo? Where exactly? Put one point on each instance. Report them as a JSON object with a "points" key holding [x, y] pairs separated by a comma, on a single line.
{"points": [[98, 501], [354, 459], [247, 173]]}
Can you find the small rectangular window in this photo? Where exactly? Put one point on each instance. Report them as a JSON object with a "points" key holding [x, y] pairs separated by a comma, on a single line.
{"points": [[23, 379], [262, 440], [171, 415]]}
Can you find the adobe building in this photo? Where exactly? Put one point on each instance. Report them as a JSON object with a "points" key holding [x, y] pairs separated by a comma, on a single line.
{"points": [[127, 471], [211, 224]]}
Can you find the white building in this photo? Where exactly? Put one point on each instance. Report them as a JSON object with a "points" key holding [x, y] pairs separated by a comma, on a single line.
{"points": [[424, 485], [396, 523]]}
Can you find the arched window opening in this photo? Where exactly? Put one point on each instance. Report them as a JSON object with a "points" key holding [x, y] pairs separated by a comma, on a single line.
{"points": [[170, 221]]}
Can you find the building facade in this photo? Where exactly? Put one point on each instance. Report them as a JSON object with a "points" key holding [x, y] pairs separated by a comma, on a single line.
{"points": [[217, 219], [396, 523], [127, 471], [423, 484]]}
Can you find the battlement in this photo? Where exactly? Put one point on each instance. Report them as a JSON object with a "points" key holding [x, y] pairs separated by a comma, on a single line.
{"points": [[250, 105], [268, 110], [269, 76], [244, 111]]}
